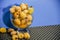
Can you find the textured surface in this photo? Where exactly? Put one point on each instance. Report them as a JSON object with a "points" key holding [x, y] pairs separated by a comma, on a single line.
{"points": [[45, 33], [40, 33]]}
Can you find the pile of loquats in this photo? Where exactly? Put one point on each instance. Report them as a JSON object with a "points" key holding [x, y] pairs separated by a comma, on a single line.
{"points": [[21, 15], [15, 34]]}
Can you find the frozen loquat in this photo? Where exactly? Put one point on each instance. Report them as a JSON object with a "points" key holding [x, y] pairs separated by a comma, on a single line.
{"points": [[29, 17], [20, 35], [31, 10], [18, 8], [26, 35], [10, 30], [13, 33], [22, 15], [3, 30], [29, 23], [14, 37], [25, 11], [23, 21], [23, 6], [12, 10], [16, 15], [17, 22]]}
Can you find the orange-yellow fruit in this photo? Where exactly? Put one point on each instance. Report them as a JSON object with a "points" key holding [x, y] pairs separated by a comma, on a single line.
{"points": [[3, 30], [23, 6], [12, 10], [16, 15], [29, 22], [10, 30], [17, 22], [14, 37], [20, 35], [22, 15], [25, 11], [18, 8], [30, 10], [23, 22], [13, 33], [23, 26], [29, 17], [26, 35]]}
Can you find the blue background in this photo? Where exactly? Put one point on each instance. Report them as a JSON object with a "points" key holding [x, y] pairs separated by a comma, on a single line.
{"points": [[46, 12]]}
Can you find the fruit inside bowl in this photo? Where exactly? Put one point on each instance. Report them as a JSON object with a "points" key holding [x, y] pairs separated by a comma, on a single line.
{"points": [[21, 16]]}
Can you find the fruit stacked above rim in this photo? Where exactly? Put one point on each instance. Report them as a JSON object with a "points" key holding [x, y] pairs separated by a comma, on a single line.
{"points": [[21, 16]]}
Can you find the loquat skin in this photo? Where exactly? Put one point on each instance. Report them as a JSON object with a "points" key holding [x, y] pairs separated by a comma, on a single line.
{"points": [[10, 30], [17, 22], [16, 15], [13, 33], [26, 35], [20, 35], [18, 9], [12, 10], [29, 17], [30, 10], [3, 30], [29, 23], [23, 21], [23, 15], [23, 6], [14, 37], [25, 11]]}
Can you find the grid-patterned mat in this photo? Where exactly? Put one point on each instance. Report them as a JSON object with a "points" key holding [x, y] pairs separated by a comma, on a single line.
{"points": [[51, 32]]}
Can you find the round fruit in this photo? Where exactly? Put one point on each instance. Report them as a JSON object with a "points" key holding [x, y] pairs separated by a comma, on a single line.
{"points": [[29, 23], [25, 11], [17, 22], [31, 10], [2, 30], [13, 33], [26, 35], [18, 8], [10, 30], [29, 17], [22, 15], [14, 37], [20, 35], [23, 6], [16, 15], [23, 21], [12, 10]]}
